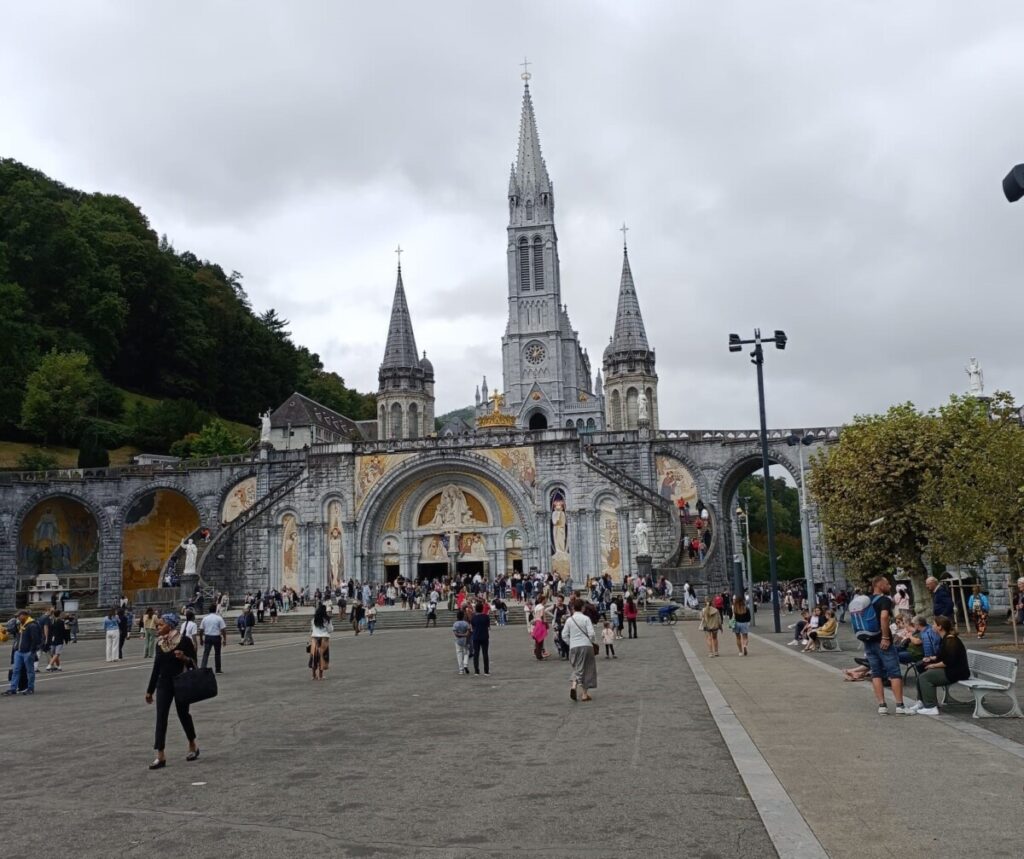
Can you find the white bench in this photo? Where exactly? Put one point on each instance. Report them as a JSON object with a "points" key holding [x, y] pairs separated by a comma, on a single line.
{"points": [[830, 642], [991, 672]]}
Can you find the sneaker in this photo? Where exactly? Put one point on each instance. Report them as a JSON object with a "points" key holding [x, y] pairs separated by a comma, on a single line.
{"points": [[927, 711], [33, 692], [793, 643], [8, 692], [883, 710], [913, 708], [903, 711]]}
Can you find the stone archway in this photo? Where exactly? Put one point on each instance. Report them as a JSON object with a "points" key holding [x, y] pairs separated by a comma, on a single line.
{"points": [[82, 576], [399, 502], [153, 522]]}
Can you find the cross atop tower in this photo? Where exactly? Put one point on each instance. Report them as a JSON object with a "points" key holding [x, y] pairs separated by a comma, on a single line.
{"points": [[399, 252], [623, 229], [526, 70]]}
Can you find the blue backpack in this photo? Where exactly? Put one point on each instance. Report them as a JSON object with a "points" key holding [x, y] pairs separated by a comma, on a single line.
{"points": [[866, 622]]}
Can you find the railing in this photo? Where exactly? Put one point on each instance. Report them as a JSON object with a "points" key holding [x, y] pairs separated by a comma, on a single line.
{"points": [[626, 481], [119, 471], [726, 436], [261, 506], [459, 442]]}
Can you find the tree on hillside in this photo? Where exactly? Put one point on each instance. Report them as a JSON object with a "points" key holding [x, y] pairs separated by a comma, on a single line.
{"points": [[59, 394], [18, 353], [215, 439]]}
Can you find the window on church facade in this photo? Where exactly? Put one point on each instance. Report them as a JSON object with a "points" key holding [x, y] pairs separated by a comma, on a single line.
{"points": [[538, 263], [524, 265], [529, 210]]}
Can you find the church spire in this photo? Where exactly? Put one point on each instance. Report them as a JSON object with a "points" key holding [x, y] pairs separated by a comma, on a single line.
{"points": [[400, 351], [531, 171], [629, 324]]}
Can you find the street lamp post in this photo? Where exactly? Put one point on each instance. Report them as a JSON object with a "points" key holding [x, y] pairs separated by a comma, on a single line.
{"points": [[800, 442], [757, 359]]}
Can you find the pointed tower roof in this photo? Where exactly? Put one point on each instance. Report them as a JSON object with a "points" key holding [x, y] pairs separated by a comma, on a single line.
{"points": [[400, 351], [629, 324], [531, 171]]}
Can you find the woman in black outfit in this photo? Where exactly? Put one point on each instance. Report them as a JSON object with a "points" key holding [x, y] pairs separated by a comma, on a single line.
{"points": [[174, 653]]}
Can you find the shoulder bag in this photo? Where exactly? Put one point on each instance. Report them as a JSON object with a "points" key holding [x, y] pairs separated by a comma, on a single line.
{"points": [[195, 684]]}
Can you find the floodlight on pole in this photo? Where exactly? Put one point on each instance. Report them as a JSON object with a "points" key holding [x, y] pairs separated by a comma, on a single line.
{"points": [[757, 359]]}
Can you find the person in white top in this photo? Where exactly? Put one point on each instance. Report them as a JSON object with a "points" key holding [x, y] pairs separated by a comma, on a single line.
{"points": [[320, 642], [215, 635], [578, 631]]}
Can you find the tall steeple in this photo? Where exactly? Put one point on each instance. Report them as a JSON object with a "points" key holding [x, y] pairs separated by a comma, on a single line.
{"points": [[547, 376], [628, 359], [405, 394], [401, 346], [629, 324]]}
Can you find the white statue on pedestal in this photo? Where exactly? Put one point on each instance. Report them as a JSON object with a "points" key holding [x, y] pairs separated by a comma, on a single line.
{"points": [[973, 370], [641, 534], [191, 551], [265, 426], [642, 408]]}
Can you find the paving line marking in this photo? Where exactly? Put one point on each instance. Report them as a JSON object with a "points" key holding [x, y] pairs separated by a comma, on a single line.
{"points": [[971, 729], [789, 832]]}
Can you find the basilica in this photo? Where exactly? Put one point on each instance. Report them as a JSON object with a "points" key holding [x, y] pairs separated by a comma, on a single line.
{"points": [[563, 469]]}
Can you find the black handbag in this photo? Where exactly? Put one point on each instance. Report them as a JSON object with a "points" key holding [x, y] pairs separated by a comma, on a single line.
{"points": [[195, 684]]}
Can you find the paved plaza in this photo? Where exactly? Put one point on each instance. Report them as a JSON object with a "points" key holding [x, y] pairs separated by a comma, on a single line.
{"points": [[396, 755]]}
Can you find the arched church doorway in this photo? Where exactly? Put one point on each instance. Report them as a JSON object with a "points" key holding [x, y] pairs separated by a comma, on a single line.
{"points": [[154, 527], [538, 421], [56, 549]]}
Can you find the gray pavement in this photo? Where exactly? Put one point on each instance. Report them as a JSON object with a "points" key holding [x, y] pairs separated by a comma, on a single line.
{"points": [[395, 755]]}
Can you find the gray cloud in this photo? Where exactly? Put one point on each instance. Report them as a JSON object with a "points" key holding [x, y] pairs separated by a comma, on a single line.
{"points": [[830, 169]]}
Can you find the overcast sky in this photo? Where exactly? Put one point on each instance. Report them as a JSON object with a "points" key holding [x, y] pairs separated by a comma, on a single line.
{"points": [[828, 168]]}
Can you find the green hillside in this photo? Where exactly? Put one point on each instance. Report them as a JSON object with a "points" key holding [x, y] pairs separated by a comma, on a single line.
{"points": [[94, 305]]}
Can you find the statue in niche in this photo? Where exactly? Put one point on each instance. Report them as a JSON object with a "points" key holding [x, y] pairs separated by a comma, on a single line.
{"points": [[290, 553], [452, 510], [642, 408], [334, 542], [191, 553], [560, 562], [641, 533], [977, 383]]}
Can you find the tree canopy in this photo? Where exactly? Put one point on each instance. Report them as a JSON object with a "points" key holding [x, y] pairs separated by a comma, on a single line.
{"points": [[909, 487]]}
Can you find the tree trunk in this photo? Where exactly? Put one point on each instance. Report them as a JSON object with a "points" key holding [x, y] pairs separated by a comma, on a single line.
{"points": [[922, 596]]}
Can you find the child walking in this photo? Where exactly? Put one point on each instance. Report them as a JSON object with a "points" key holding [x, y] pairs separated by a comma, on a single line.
{"points": [[608, 637]]}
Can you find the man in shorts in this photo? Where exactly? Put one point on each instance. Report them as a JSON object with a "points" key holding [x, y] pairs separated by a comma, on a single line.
{"points": [[58, 638], [882, 655]]}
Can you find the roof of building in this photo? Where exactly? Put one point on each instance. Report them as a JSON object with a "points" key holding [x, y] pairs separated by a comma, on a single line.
{"points": [[301, 411]]}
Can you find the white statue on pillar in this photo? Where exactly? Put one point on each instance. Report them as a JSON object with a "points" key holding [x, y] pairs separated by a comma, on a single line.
{"points": [[641, 533], [642, 407], [265, 427], [191, 551], [977, 385]]}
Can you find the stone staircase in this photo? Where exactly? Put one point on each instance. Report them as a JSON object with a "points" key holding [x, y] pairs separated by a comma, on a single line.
{"points": [[211, 575]]}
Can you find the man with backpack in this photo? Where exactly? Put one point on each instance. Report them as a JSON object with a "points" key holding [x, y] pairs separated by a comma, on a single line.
{"points": [[870, 620]]}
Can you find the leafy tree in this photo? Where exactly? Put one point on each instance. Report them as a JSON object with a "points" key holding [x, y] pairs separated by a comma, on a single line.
{"points": [[971, 503], [215, 439], [59, 393], [156, 428], [18, 352], [785, 505], [877, 471], [37, 459]]}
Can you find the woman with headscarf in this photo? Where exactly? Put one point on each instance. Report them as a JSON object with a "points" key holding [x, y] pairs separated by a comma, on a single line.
{"points": [[174, 653], [579, 632], [320, 642]]}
